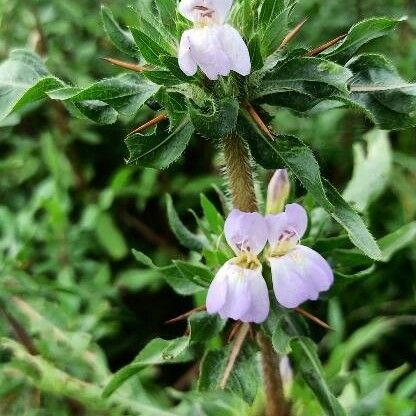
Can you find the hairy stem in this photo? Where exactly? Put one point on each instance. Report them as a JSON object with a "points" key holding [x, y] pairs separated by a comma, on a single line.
{"points": [[273, 385], [240, 174], [241, 183]]}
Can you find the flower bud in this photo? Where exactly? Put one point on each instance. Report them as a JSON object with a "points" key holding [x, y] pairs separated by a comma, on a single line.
{"points": [[278, 192]]}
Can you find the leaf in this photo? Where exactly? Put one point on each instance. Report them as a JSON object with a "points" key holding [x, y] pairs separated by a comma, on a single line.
{"points": [[389, 245], [197, 273], [384, 96], [301, 83], [371, 170], [218, 121], [110, 237], [122, 39], [185, 237], [245, 377], [269, 10], [214, 218], [304, 355], [156, 352], [126, 93], [360, 34], [204, 326], [23, 80], [160, 149], [291, 152], [150, 49], [167, 13], [181, 283]]}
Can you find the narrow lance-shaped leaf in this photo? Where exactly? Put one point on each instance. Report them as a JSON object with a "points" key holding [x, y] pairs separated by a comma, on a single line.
{"points": [[122, 39], [126, 93], [160, 149], [384, 96], [23, 80], [360, 34], [185, 237]]}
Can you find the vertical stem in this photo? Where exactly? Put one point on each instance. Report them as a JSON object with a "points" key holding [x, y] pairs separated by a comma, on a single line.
{"points": [[241, 182], [273, 385], [240, 174]]}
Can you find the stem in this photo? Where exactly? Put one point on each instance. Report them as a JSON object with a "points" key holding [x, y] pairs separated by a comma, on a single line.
{"points": [[241, 183], [240, 174], [273, 385]]}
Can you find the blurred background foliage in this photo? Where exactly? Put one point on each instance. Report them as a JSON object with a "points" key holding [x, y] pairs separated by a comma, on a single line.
{"points": [[71, 210]]}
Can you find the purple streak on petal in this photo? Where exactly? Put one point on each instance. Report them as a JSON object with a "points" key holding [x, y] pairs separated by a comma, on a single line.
{"points": [[289, 225], [300, 275], [245, 231]]}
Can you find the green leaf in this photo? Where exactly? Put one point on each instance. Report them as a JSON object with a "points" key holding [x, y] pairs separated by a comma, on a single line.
{"points": [[214, 218], [167, 13], [110, 237], [301, 83], [305, 357], [245, 377], [126, 93], [122, 39], [360, 34], [150, 49], [185, 237], [389, 245], [371, 170], [384, 96], [23, 80], [294, 154], [160, 149], [197, 273], [218, 121], [181, 283], [156, 352], [204, 326], [269, 10]]}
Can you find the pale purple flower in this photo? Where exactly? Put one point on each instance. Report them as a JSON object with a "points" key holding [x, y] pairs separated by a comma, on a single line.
{"points": [[299, 273], [216, 47], [238, 290], [278, 192]]}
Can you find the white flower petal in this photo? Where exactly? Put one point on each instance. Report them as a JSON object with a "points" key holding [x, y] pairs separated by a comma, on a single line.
{"points": [[239, 293], [185, 59], [235, 48], [245, 231], [299, 276]]}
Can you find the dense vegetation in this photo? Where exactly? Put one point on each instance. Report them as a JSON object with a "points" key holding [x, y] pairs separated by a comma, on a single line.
{"points": [[94, 258]]}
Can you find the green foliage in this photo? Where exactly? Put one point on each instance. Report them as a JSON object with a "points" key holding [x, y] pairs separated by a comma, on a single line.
{"points": [[77, 307]]}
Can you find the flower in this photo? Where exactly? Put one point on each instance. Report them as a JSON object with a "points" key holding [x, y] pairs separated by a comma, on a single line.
{"points": [[298, 272], [216, 47], [278, 192], [238, 290]]}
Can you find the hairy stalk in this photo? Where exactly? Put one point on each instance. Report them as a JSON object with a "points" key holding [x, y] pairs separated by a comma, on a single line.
{"points": [[273, 385], [240, 174], [241, 184]]}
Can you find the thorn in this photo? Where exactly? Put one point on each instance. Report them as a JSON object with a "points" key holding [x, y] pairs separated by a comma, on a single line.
{"points": [[186, 315], [292, 34], [260, 123], [150, 123], [125, 65], [242, 334], [313, 318], [326, 46], [234, 329]]}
